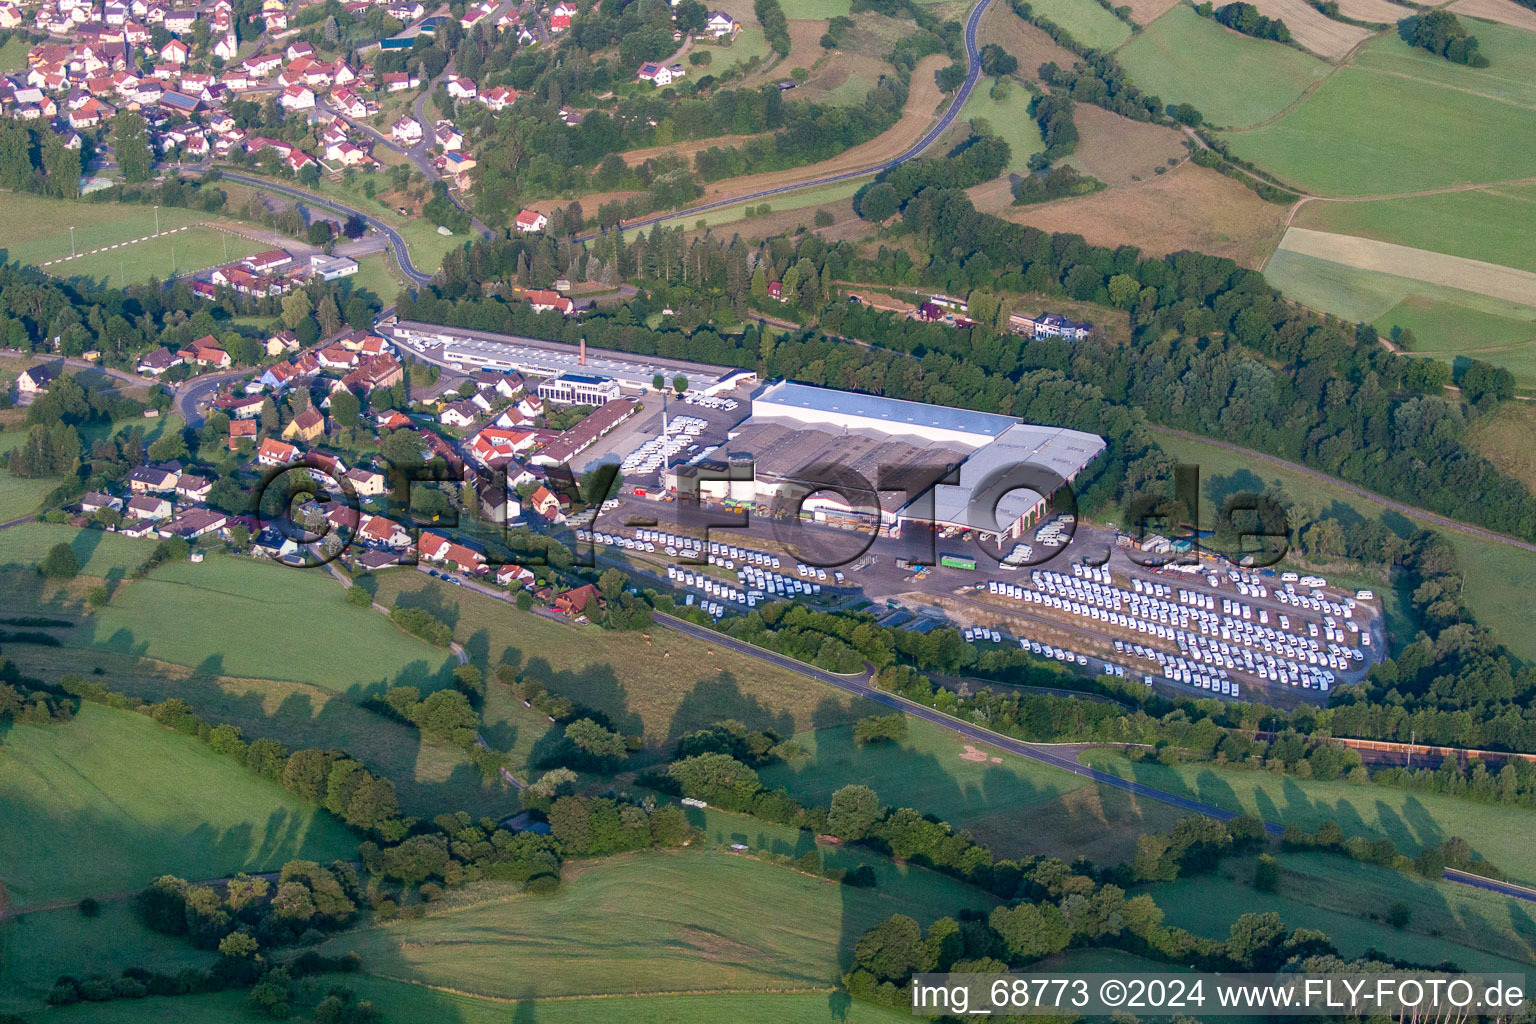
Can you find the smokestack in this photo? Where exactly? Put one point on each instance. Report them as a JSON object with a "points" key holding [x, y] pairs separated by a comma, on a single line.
{"points": [[581, 360]]}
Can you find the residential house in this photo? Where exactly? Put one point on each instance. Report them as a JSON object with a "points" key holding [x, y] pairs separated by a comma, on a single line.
{"points": [[153, 479], [308, 425], [381, 371], [276, 453], [282, 342], [193, 488], [159, 361], [434, 547], [206, 351], [578, 600], [462, 413], [657, 74], [149, 506], [722, 25], [95, 501], [36, 380], [239, 431], [509, 574], [297, 97], [192, 523], [366, 482], [499, 98], [531, 220]]}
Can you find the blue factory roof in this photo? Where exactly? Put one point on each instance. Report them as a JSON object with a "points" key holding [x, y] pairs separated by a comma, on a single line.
{"points": [[893, 411]]}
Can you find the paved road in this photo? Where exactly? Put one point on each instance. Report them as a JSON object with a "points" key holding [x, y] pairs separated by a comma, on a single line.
{"points": [[396, 242], [1396, 506], [973, 62], [198, 390]]}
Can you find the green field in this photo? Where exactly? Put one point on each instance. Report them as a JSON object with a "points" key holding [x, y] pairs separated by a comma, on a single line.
{"points": [[649, 923], [750, 43], [430, 775], [659, 683], [1365, 133], [1510, 76], [98, 552], [1446, 330], [1475, 929], [13, 55], [1363, 295], [35, 949], [1233, 79], [1497, 575], [241, 617], [19, 496], [111, 800], [815, 8], [1411, 820], [402, 1002], [36, 229], [1010, 121], [1508, 440], [800, 200], [1016, 807], [1486, 224], [164, 257], [1088, 23], [376, 274]]}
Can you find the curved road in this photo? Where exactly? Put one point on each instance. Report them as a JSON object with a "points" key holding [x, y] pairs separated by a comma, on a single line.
{"points": [[1057, 756], [396, 243], [973, 73]]}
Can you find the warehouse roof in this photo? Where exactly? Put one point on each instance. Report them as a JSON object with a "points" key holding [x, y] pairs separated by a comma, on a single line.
{"points": [[892, 413]]}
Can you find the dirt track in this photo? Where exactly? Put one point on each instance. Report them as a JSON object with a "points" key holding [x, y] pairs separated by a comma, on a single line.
{"points": [[918, 116]]}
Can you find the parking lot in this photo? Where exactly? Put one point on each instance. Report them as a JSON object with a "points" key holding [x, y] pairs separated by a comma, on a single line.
{"points": [[1076, 597]]}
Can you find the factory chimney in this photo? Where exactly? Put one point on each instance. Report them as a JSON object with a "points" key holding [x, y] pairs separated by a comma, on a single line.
{"points": [[581, 360]]}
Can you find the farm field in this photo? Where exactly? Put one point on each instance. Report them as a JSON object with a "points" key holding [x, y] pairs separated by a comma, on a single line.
{"points": [[1412, 820], [1496, 574], [1447, 331], [1491, 279], [1233, 79], [37, 229], [1009, 120], [429, 775], [1312, 29], [1014, 805], [313, 633], [638, 923], [1029, 44], [175, 254], [1474, 929], [1190, 207], [805, 199], [664, 685], [1365, 133], [111, 800], [1508, 440], [1382, 12], [1510, 76], [1362, 296], [36, 948], [794, 9], [1088, 23], [1496, 10], [19, 496], [1118, 150], [1480, 224]]}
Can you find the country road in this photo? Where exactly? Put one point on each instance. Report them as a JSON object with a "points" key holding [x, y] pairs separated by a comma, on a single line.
{"points": [[973, 74]]}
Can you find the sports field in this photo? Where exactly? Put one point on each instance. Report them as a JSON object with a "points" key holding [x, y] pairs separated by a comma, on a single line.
{"points": [[1368, 133], [1012, 804], [237, 616], [1348, 901], [111, 800], [36, 230], [1233, 79], [174, 254], [1087, 22], [1411, 820], [648, 923], [1481, 224]]}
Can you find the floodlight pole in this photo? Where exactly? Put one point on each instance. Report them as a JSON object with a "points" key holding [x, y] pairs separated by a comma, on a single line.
{"points": [[71, 241], [157, 219]]}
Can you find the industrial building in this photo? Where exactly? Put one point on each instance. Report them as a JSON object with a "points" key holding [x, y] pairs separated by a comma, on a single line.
{"points": [[579, 389], [844, 458]]}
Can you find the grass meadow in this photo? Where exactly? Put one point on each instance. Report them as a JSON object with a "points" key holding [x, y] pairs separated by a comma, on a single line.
{"points": [[1508, 440], [112, 800], [1016, 806], [658, 683], [1088, 23], [241, 617], [643, 923], [1233, 79], [35, 949], [1009, 119], [400, 1001], [1497, 575], [1477, 930], [1411, 820]]}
